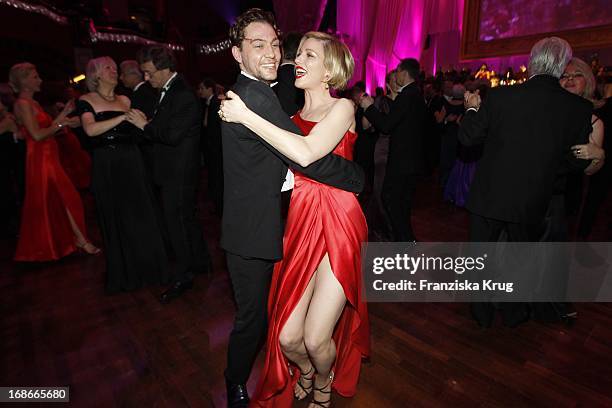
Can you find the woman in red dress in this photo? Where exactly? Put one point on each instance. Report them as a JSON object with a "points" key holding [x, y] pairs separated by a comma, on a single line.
{"points": [[318, 321], [74, 159], [52, 220]]}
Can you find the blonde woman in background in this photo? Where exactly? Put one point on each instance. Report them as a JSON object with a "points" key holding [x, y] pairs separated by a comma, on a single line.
{"points": [[52, 221]]}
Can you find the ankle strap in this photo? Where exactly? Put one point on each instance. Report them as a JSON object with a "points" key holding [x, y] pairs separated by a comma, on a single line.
{"points": [[331, 379], [307, 373]]}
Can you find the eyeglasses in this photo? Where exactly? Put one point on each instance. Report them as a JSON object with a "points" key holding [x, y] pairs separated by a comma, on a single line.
{"points": [[150, 74], [573, 76]]}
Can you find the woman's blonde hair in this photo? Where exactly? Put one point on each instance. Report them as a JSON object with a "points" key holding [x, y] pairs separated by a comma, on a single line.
{"points": [[92, 72], [18, 73], [589, 78], [338, 59]]}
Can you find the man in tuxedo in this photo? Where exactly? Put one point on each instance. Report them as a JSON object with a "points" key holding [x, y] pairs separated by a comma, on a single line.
{"points": [[290, 97], [174, 130], [254, 172], [144, 98], [210, 142], [405, 123], [527, 131]]}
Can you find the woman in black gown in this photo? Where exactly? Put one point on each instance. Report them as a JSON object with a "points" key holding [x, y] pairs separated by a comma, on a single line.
{"points": [[134, 248]]}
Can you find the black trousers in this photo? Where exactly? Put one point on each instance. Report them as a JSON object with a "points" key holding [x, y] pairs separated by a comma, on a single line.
{"points": [[179, 209], [484, 229], [397, 197], [215, 179], [251, 282], [599, 185]]}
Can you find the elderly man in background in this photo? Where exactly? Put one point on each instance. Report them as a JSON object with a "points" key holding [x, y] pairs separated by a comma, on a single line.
{"points": [[528, 131]]}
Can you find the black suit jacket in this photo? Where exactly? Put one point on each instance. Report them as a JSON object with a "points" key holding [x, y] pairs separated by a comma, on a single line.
{"points": [[405, 124], [290, 97], [213, 128], [527, 132], [175, 132], [254, 172], [144, 99], [212, 140]]}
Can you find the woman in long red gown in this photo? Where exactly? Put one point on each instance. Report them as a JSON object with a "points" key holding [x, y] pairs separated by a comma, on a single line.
{"points": [[318, 321], [52, 220]]}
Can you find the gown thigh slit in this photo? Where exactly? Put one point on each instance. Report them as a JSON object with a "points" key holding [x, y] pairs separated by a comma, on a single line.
{"points": [[46, 233]]}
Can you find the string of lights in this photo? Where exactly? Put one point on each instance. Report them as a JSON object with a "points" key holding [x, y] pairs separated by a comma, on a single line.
{"points": [[96, 35], [42, 10], [108, 34], [215, 48]]}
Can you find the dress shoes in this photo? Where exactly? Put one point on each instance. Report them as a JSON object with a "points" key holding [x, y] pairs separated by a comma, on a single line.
{"points": [[515, 314], [237, 395], [175, 291], [516, 321], [483, 313]]}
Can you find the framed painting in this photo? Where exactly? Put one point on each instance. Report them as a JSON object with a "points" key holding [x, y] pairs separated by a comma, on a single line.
{"points": [[493, 28]]}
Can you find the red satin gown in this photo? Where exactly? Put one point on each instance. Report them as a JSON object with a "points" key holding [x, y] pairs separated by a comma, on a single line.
{"points": [[322, 219], [75, 161], [45, 232]]}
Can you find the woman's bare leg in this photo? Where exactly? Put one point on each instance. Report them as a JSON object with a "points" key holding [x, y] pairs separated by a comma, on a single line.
{"points": [[291, 340], [80, 239], [325, 308]]}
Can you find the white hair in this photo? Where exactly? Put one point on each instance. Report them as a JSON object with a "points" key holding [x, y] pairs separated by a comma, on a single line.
{"points": [[130, 67], [92, 72], [549, 56]]}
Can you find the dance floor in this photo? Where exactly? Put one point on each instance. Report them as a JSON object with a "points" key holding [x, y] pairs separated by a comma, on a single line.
{"points": [[57, 328]]}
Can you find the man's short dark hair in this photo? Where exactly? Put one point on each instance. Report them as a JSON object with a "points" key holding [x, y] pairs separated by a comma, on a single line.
{"points": [[161, 57], [253, 15], [411, 66], [291, 43], [360, 85], [208, 83]]}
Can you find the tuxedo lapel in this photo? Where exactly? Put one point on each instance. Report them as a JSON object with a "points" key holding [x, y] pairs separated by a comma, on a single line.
{"points": [[172, 87]]}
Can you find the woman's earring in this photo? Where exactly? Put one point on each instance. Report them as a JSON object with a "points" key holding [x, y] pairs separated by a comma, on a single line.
{"points": [[326, 85]]}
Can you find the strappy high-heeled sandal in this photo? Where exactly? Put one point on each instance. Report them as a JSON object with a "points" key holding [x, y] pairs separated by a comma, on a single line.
{"points": [[326, 403], [305, 376], [88, 248]]}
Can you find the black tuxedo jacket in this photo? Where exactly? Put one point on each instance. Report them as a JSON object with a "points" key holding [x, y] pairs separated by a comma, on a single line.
{"points": [[213, 127], [144, 99], [527, 132], [254, 173], [175, 133], [405, 123], [290, 97]]}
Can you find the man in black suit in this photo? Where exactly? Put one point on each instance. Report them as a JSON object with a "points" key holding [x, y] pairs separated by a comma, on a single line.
{"points": [[405, 124], [210, 142], [175, 132], [143, 98], [254, 172], [290, 97], [527, 132]]}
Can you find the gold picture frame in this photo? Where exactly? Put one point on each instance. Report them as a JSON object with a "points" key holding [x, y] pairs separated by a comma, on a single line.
{"points": [[474, 48]]}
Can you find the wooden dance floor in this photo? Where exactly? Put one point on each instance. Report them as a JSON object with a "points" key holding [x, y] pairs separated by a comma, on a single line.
{"points": [[57, 328]]}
